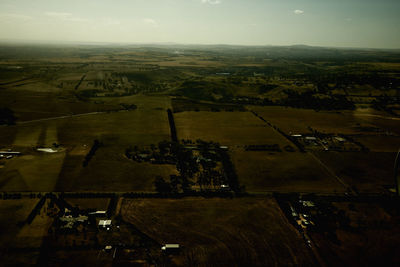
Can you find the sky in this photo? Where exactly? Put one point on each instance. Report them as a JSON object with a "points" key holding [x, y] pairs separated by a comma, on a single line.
{"points": [[333, 23]]}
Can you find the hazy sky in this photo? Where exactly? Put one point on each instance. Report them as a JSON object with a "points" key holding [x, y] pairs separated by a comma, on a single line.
{"points": [[350, 23]]}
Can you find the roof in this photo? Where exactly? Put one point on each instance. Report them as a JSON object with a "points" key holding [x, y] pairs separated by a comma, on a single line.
{"points": [[48, 150], [311, 138], [99, 212], [10, 152], [308, 203], [104, 223], [170, 246]]}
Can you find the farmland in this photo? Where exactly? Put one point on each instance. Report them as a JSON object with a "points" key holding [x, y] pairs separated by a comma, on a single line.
{"points": [[228, 128], [242, 156], [210, 230]]}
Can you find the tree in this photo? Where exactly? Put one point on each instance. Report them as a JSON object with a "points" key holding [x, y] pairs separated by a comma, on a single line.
{"points": [[164, 147], [175, 181], [161, 185], [7, 116]]}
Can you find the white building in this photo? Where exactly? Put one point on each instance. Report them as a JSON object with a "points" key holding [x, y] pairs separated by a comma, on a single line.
{"points": [[105, 223]]}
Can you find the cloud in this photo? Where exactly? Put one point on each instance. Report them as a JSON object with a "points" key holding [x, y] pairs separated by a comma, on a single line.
{"points": [[150, 22], [13, 17], [298, 12], [58, 14], [65, 16], [211, 2]]}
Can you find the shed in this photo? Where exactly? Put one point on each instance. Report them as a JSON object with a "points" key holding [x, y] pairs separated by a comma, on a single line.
{"points": [[170, 247], [340, 139], [99, 213], [104, 223], [311, 138]]}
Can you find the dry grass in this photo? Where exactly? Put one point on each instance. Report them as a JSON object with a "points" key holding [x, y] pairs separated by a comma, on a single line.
{"points": [[375, 242], [227, 232], [262, 171], [368, 172], [294, 121], [228, 128]]}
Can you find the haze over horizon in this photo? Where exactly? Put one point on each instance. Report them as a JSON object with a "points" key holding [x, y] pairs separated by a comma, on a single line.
{"points": [[352, 23]]}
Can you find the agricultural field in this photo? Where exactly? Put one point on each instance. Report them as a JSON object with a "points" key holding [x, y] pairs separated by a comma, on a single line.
{"points": [[17, 236], [202, 146], [262, 171], [297, 121], [236, 232], [371, 228], [233, 129], [74, 136], [366, 172], [380, 143]]}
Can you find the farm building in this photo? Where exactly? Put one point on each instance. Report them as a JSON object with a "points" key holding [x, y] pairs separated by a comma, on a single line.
{"points": [[99, 213], [170, 248], [10, 153], [105, 224]]}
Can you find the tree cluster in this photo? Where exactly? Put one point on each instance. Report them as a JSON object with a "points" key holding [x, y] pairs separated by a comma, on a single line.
{"points": [[199, 168], [7, 116], [311, 101]]}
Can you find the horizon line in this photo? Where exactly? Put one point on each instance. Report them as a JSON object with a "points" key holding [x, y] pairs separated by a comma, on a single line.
{"points": [[83, 43]]}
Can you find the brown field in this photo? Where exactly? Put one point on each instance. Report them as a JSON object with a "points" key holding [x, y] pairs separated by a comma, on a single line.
{"points": [[231, 232], [292, 120], [109, 169], [16, 238], [380, 143], [68, 97], [371, 240], [37, 172], [31, 105], [227, 128], [262, 171], [368, 172]]}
